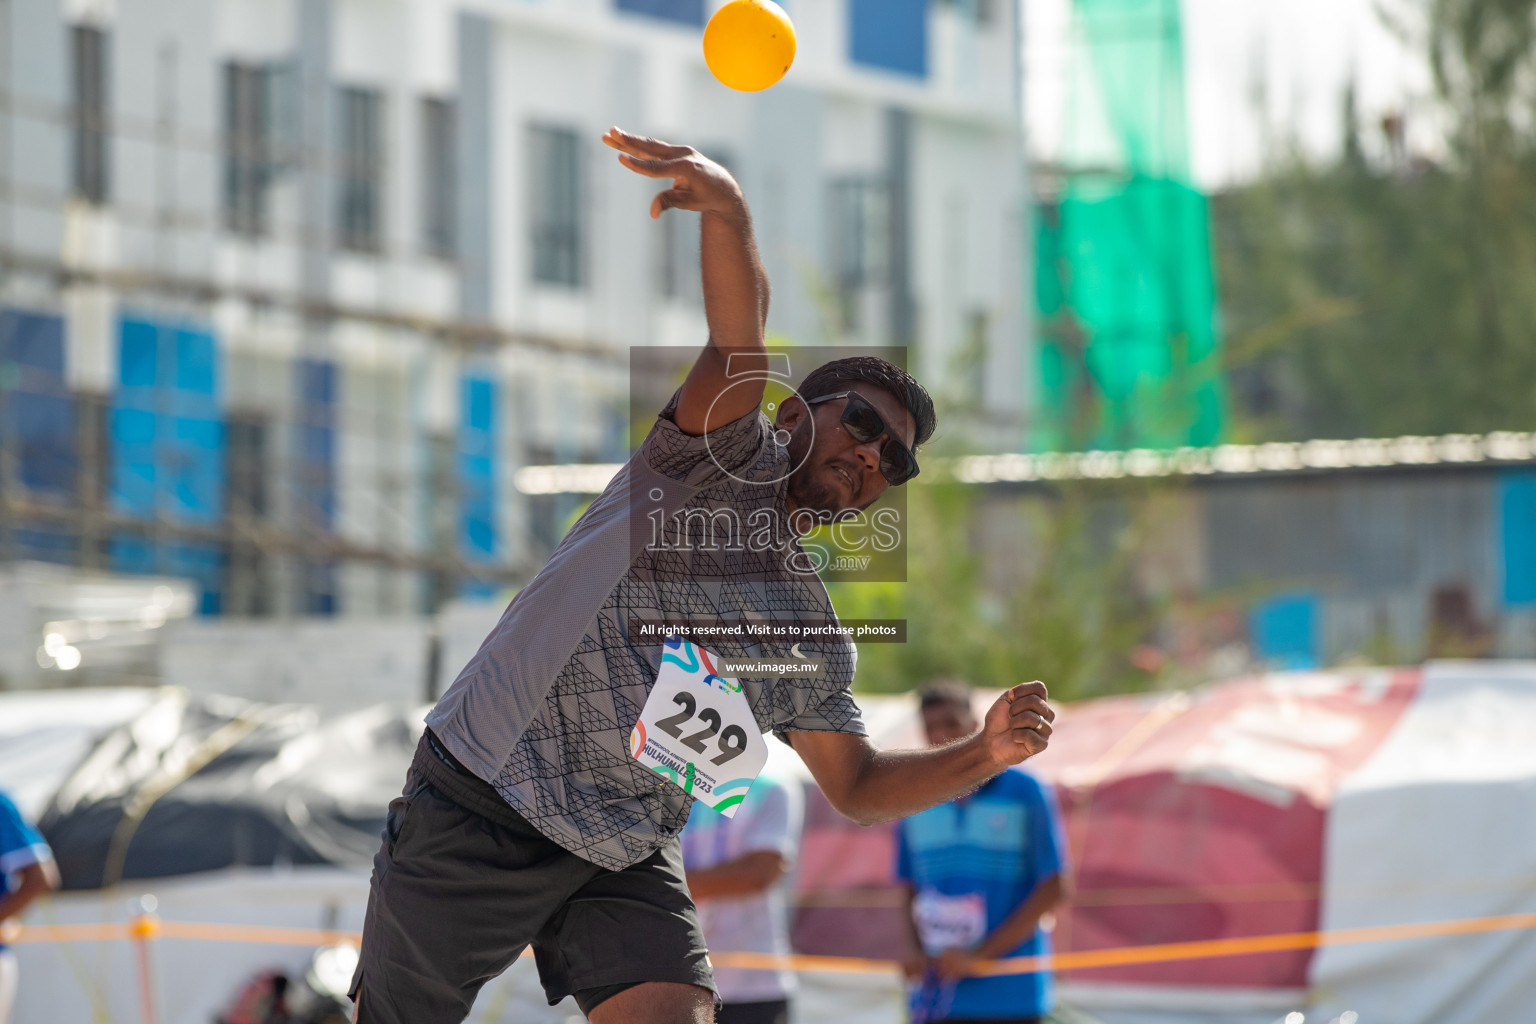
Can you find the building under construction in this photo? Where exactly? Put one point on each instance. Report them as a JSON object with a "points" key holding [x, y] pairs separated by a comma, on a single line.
{"points": [[290, 291]]}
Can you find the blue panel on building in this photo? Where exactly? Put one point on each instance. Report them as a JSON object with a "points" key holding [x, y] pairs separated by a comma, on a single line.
{"points": [[45, 544], [1284, 631], [477, 469], [133, 461], [39, 413], [135, 554], [166, 426], [320, 588], [203, 564], [167, 450], [889, 34], [1517, 534], [686, 12], [196, 481], [33, 340]]}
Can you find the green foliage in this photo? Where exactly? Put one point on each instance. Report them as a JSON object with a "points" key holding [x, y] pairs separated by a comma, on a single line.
{"points": [[1393, 296], [1069, 617]]}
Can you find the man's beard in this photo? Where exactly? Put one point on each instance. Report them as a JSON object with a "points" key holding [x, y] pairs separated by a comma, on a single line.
{"points": [[819, 497], [803, 489]]}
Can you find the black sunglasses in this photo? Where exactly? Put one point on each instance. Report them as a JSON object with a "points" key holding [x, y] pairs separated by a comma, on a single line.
{"points": [[864, 424]]}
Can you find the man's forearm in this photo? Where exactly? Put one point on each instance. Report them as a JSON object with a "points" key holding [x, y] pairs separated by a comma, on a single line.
{"points": [[1021, 924], [896, 783], [753, 873], [35, 880], [735, 284]]}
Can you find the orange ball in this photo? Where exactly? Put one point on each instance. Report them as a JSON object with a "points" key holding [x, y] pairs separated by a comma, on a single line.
{"points": [[749, 44]]}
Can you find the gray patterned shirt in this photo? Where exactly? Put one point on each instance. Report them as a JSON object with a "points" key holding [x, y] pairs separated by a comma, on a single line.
{"points": [[544, 711]]}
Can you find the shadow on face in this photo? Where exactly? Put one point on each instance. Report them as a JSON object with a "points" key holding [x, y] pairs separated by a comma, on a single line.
{"points": [[837, 474], [945, 723]]}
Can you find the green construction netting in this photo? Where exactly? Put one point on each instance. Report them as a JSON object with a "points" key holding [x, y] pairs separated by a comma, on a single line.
{"points": [[1129, 339]]}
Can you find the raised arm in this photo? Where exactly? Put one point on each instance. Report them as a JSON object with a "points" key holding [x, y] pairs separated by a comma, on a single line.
{"points": [[735, 284], [870, 785]]}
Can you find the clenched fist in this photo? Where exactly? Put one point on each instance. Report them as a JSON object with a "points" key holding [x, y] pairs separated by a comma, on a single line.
{"points": [[1018, 724]]}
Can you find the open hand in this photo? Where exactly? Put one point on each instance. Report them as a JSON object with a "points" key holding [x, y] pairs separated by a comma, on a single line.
{"points": [[1018, 725], [698, 183]]}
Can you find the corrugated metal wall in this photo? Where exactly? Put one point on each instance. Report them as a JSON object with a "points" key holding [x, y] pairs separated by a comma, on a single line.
{"points": [[1368, 565]]}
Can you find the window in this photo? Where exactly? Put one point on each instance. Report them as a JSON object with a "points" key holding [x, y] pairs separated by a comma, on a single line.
{"points": [[359, 171], [89, 46], [439, 175], [889, 34], [248, 433], [679, 274], [975, 353], [860, 242], [686, 12], [245, 464], [248, 157], [38, 432], [314, 486], [555, 156]]}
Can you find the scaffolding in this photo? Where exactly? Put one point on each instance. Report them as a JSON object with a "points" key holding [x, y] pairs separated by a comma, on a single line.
{"points": [[1129, 336], [333, 454]]}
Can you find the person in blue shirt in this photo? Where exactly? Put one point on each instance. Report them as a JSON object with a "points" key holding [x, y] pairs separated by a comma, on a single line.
{"points": [[981, 872], [27, 871]]}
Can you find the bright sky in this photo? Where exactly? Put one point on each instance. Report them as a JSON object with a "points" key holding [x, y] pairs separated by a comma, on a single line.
{"points": [[1297, 55]]}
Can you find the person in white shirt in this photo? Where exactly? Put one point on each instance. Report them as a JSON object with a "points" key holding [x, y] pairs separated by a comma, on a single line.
{"points": [[737, 871]]}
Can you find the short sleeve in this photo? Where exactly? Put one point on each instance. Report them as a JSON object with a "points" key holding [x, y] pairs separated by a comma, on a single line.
{"points": [[830, 712], [825, 706], [771, 821], [1047, 842], [697, 461], [21, 845]]}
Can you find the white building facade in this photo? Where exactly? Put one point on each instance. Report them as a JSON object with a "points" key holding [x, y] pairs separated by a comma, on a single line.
{"points": [[290, 289]]}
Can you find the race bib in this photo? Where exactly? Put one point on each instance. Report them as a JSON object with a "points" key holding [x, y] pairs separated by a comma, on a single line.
{"points": [[947, 922], [697, 730]]}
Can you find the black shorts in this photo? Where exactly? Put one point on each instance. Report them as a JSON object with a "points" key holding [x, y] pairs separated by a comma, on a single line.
{"points": [[772, 1012], [462, 885]]}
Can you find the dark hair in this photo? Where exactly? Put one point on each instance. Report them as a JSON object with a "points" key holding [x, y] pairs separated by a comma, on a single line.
{"points": [[830, 378], [945, 693]]}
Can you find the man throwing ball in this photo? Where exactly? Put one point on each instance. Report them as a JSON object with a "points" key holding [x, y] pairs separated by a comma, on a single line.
{"points": [[536, 812]]}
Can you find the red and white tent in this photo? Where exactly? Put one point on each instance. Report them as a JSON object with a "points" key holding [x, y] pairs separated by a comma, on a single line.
{"points": [[1286, 804], [1280, 805]]}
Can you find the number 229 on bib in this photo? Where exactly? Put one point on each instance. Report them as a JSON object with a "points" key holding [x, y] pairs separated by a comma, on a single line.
{"points": [[697, 729]]}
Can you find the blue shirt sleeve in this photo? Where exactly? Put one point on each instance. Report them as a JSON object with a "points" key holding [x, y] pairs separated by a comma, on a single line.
{"points": [[21, 845], [1047, 843]]}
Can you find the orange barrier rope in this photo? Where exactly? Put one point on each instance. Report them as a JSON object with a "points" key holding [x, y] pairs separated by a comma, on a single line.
{"points": [[890, 897], [149, 927], [1164, 952], [156, 928]]}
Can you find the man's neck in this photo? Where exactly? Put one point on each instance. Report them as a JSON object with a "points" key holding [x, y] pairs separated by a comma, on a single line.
{"points": [[791, 506]]}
